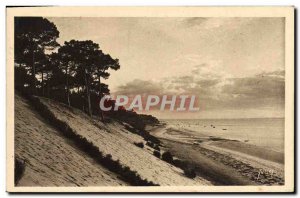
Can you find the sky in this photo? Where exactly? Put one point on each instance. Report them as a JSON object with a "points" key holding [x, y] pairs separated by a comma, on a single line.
{"points": [[234, 66]]}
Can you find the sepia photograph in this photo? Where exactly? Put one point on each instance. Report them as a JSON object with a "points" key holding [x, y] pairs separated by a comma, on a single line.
{"points": [[150, 99]]}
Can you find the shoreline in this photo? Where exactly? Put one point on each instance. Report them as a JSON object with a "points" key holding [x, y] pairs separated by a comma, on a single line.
{"points": [[267, 133], [223, 161]]}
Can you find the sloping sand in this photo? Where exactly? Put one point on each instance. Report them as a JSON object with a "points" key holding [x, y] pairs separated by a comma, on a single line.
{"points": [[114, 139], [53, 160]]}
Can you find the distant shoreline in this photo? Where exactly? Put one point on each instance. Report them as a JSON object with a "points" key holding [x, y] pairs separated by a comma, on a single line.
{"points": [[162, 119], [223, 161]]}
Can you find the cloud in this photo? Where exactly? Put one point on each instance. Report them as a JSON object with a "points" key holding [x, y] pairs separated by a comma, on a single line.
{"points": [[263, 90], [265, 85], [214, 91], [212, 23], [138, 86]]}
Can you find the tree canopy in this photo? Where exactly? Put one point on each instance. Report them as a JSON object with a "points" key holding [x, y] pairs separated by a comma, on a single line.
{"points": [[33, 35], [71, 74]]}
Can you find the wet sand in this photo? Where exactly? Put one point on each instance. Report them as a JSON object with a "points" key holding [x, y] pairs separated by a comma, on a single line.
{"points": [[223, 161]]}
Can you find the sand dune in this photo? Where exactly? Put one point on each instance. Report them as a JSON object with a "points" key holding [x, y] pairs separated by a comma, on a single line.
{"points": [[51, 159], [115, 140]]}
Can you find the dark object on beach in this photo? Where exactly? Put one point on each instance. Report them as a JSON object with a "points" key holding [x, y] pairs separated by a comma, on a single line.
{"points": [[246, 141], [199, 141], [224, 129], [167, 156], [19, 169], [156, 153], [216, 139], [139, 144]]}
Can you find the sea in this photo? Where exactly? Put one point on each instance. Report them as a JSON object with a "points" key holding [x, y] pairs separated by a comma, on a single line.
{"points": [[264, 132]]}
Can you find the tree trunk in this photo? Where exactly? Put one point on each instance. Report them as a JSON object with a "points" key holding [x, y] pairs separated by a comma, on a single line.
{"points": [[48, 84], [100, 95], [88, 94], [43, 91], [68, 93], [33, 73]]}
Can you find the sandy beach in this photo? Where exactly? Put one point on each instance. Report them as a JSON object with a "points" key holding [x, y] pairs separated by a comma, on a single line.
{"points": [[223, 161]]}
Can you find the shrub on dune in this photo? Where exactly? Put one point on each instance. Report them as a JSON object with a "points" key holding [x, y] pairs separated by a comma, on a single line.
{"points": [[178, 163], [19, 169], [139, 144], [156, 153], [156, 147], [167, 156], [150, 144], [153, 145], [190, 172]]}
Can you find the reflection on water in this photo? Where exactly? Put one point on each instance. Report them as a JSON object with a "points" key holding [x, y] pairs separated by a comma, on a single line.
{"points": [[265, 132]]}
